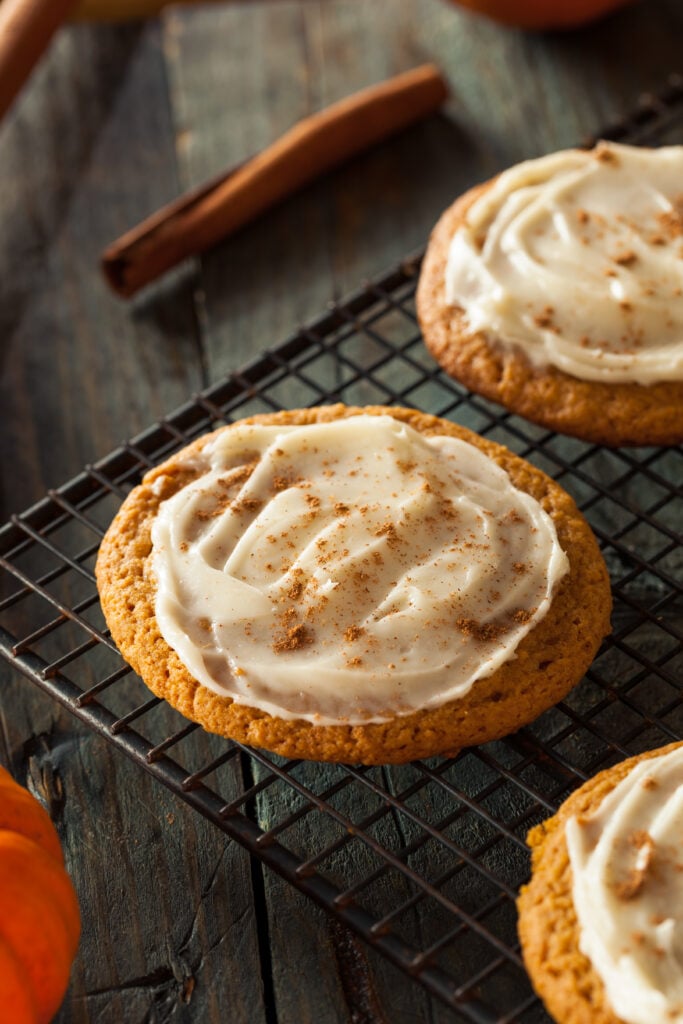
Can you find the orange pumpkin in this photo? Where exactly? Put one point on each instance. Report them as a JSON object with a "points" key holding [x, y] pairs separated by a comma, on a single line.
{"points": [[539, 14], [39, 917]]}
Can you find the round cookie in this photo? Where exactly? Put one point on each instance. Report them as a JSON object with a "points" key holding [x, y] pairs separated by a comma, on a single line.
{"points": [[548, 662], [613, 414], [563, 977]]}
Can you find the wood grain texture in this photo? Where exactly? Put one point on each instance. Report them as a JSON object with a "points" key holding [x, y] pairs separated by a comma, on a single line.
{"points": [[178, 925], [310, 149], [79, 373]]}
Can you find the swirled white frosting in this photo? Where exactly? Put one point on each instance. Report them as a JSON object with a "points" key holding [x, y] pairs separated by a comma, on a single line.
{"points": [[577, 259], [350, 571], [627, 868]]}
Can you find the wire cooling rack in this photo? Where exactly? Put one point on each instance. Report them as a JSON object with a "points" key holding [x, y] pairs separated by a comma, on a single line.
{"points": [[424, 861]]}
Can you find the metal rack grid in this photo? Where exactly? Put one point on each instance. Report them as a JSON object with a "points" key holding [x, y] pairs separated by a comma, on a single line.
{"points": [[424, 860]]}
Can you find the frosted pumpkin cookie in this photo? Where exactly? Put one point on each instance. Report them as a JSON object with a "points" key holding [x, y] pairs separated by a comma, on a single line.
{"points": [[601, 922], [362, 585], [556, 289]]}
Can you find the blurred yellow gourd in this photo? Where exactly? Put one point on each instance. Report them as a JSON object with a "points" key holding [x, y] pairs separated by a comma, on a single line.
{"points": [[121, 10]]}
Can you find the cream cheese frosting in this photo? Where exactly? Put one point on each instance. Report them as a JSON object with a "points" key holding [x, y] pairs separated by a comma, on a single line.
{"points": [[627, 868], [349, 572], [577, 259]]}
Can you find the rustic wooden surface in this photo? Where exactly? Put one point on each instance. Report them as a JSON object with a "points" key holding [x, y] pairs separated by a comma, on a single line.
{"points": [[115, 122]]}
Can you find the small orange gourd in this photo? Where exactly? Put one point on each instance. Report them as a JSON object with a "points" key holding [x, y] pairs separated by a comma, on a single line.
{"points": [[540, 14], [39, 917]]}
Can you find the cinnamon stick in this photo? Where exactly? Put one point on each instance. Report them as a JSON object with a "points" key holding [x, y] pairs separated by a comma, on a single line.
{"points": [[201, 218], [26, 28]]}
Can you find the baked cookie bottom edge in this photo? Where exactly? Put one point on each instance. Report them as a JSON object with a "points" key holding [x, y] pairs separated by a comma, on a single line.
{"points": [[599, 413]]}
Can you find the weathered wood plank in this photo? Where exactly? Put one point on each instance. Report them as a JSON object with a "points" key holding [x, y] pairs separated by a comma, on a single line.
{"points": [[238, 79], [79, 160], [166, 900]]}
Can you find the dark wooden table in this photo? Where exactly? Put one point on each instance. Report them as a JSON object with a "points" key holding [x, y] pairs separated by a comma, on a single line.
{"points": [[178, 924]]}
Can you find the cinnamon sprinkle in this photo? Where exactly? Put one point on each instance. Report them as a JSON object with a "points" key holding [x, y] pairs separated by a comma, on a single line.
{"points": [[246, 505], [295, 590], [512, 516], [221, 506], [481, 631], [237, 476], [545, 318], [625, 258], [606, 155], [671, 223], [634, 881], [294, 638], [282, 483], [353, 633]]}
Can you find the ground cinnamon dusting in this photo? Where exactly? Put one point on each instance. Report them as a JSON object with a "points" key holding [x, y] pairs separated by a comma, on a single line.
{"points": [[285, 481], [246, 505], [294, 638], [545, 318], [606, 156], [513, 516], [624, 259], [670, 223], [389, 531], [295, 589], [352, 633], [634, 881], [481, 631], [203, 514], [237, 476]]}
